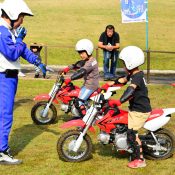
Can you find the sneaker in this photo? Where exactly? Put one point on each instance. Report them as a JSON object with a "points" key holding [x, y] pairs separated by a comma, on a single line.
{"points": [[36, 76], [21, 74], [7, 159], [112, 79], [106, 78], [137, 163]]}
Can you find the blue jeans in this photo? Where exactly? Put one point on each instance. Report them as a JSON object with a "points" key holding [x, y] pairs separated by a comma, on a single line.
{"points": [[109, 72], [84, 94]]}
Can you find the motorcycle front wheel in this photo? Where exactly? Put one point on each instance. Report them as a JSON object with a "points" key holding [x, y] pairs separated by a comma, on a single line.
{"points": [[37, 110], [166, 140], [67, 141]]}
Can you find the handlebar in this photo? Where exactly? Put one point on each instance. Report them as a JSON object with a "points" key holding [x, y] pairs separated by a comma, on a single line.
{"points": [[118, 86], [60, 79]]}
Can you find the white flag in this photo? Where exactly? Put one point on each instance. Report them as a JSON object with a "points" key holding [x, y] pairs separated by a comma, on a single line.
{"points": [[133, 11]]}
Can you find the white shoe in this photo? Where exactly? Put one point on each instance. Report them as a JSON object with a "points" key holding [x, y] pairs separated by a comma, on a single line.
{"points": [[21, 74], [7, 159]]}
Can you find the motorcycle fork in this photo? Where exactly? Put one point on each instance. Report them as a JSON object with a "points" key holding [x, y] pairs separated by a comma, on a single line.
{"points": [[88, 119], [46, 109]]}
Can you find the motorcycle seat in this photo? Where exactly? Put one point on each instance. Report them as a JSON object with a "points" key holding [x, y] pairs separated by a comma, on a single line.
{"points": [[155, 113]]}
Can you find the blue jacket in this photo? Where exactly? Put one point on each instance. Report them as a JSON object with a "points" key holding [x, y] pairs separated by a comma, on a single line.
{"points": [[12, 50]]}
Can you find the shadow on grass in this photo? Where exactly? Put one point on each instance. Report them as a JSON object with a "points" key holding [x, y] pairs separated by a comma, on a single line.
{"points": [[21, 137], [20, 102], [46, 129], [62, 117], [65, 117], [107, 151]]}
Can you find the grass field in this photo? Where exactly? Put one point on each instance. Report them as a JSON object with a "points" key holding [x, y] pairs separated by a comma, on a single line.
{"points": [[36, 145], [63, 23]]}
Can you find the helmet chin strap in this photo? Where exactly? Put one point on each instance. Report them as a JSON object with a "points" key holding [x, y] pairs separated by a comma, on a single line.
{"points": [[88, 55], [12, 23], [133, 71]]}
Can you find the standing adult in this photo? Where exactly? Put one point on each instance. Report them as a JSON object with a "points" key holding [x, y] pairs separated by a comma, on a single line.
{"points": [[109, 41], [11, 48]]}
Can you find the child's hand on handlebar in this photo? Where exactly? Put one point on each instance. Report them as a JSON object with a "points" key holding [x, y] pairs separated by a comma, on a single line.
{"points": [[65, 70], [107, 85], [111, 83], [67, 81], [112, 103]]}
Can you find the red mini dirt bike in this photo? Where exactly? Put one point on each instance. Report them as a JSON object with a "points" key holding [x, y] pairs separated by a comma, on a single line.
{"points": [[44, 111], [76, 145]]}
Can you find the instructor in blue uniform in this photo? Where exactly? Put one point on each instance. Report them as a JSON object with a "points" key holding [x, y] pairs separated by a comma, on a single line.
{"points": [[11, 48]]}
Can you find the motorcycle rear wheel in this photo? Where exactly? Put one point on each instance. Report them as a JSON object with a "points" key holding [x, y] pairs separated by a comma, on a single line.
{"points": [[64, 147], [167, 141], [36, 114]]}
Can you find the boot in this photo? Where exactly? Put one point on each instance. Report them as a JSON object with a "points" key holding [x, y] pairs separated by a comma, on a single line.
{"points": [[83, 110], [137, 161]]}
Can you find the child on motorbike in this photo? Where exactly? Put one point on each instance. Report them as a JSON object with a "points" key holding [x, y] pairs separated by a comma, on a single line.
{"points": [[137, 94], [88, 69]]}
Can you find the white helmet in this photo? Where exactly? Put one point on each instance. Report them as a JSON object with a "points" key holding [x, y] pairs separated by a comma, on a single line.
{"points": [[85, 44], [132, 56], [13, 8]]}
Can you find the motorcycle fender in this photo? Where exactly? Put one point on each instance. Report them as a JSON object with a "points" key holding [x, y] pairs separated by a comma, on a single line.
{"points": [[44, 97], [76, 123], [157, 123]]}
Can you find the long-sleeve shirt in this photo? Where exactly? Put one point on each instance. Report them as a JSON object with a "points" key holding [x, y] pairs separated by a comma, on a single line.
{"points": [[11, 50]]}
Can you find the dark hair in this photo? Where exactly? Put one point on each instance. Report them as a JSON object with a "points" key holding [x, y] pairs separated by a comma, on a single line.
{"points": [[4, 14], [110, 27], [35, 46]]}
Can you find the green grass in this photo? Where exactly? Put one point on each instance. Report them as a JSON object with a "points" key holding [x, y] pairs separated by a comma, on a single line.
{"points": [[36, 145], [63, 23]]}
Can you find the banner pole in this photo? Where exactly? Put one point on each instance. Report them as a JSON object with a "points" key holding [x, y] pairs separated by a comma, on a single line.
{"points": [[147, 49], [146, 1]]}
